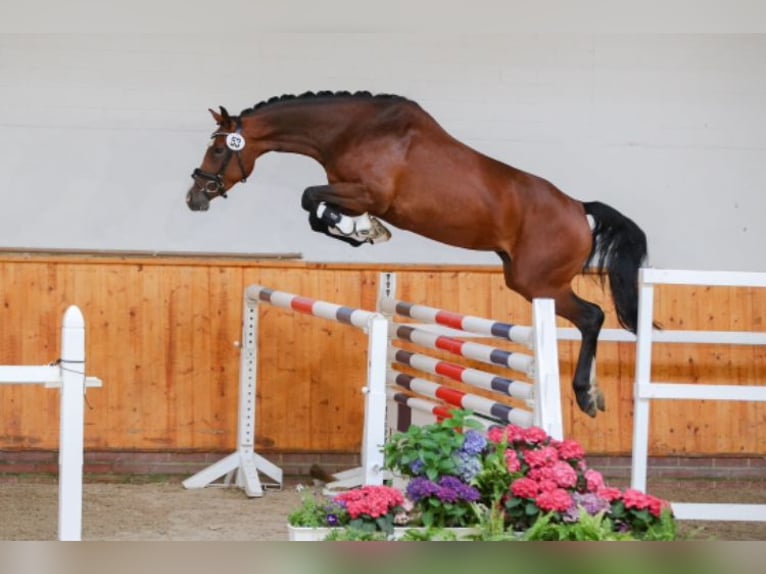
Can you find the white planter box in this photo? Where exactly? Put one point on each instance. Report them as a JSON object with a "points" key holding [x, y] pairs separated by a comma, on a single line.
{"points": [[312, 534]]}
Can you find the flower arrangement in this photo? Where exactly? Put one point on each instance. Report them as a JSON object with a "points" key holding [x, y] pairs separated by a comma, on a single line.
{"points": [[547, 482], [511, 483]]}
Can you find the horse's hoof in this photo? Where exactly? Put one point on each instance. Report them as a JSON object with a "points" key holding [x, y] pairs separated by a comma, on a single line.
{"points": [[597, 398], [378, 232], [600, 402]]}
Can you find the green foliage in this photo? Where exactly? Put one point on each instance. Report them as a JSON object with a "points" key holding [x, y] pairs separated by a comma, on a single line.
{"points": [[428, 450], [587, 528], [428, 534], [351, 534], [317, 512]]}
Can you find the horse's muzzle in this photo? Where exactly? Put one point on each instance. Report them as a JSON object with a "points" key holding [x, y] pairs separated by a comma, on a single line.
{"points": [[197, 200]]}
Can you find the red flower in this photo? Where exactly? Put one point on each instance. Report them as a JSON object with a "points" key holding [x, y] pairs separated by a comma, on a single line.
{"points": [[534, 435], [557, 500], [635, 499], [547, 485], [372, 501], [609, 493], [524, 488], [657, 505], [541, 457], [508, 434]]}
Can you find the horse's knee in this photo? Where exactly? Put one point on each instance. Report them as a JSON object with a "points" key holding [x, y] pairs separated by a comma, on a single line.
{"points": [[308, 199]]}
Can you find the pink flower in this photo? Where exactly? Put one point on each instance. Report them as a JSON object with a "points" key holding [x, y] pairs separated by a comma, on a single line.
{"points": [[563, 474], [657, 505], [609, 493], [570, 450], [541, 473], [496, 435], [524, 488], [541, 457], [508, 434], [547, 485], [372, 501], [557, 500], [534, 435], [635, 499], [512, 461], [594, 480]]}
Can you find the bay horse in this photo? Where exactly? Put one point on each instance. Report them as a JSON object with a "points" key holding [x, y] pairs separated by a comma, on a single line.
{"points": [[387, 159]]}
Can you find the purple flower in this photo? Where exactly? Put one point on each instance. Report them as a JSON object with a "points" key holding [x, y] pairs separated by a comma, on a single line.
{"points": [[332, 520], [452, 489], [468, 466], [421, 487], [590, 502], [416, 467], [473, 443]]}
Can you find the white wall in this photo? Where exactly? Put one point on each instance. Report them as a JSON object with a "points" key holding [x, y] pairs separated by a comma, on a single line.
{"points": [[101, 131]]}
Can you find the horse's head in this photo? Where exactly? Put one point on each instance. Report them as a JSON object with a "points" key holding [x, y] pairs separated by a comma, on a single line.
{"points": [[228, 160]]}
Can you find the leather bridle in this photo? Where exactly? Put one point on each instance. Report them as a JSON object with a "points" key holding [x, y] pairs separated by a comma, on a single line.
{"points": [[212, 183]]}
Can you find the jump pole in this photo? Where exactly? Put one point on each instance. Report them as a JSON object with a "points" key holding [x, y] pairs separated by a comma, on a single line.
{"points": [[435, 328], [243, 465]]}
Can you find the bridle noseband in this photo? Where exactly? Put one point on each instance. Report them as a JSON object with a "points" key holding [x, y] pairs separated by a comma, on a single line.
{"points": [[213, 182]]}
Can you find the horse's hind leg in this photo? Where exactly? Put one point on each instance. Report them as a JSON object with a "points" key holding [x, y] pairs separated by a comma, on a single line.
{"points": [[586, 316]]}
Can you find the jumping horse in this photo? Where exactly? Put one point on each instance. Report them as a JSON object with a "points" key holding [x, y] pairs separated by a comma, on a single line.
{"points": [[386, 159]]}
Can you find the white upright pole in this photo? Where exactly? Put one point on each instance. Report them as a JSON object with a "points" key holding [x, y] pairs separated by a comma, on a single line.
{"points": [[547, 410], [71, 441], [643, 379], [374, 434]]}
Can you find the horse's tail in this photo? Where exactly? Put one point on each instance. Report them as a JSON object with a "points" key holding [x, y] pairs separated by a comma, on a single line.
{"points": [[619, 250]]}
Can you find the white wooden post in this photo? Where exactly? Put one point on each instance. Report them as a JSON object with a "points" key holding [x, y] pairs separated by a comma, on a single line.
{"points": [[71, 425], [641, 404], [375, 401], [547, 409]]}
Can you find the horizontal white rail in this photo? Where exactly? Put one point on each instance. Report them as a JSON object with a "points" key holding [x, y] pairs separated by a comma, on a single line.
{"points": [[659, 390], [649, 276], [719, 511], [672, 336]]}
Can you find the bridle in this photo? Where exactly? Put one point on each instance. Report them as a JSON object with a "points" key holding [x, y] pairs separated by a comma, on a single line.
{"points": [[213, 182]]}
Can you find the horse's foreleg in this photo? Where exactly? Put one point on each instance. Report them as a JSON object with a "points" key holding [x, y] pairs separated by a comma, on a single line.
{"points": [[340, 210]]}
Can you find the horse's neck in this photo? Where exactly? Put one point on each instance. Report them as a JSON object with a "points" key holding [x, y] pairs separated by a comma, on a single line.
{"points": [[298, 130]]}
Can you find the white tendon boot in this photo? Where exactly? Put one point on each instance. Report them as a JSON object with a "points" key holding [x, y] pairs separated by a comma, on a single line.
{"points": [[362, 228]]}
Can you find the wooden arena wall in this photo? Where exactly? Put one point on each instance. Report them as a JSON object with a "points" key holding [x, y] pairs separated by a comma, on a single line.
{"points": [[161, 334]]}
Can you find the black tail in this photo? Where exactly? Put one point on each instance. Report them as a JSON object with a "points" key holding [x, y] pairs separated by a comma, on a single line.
{"points": [[619, 250]]}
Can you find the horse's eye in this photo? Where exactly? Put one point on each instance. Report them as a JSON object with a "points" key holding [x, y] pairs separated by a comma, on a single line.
{"points": [[217, 150]]}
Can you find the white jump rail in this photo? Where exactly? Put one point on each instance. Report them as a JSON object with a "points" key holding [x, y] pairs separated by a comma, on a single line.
{"points": [[646, 390], [68, 375]]}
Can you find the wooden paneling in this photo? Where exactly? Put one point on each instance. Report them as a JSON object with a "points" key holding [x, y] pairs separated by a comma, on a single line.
{"points": [[161, 333]]}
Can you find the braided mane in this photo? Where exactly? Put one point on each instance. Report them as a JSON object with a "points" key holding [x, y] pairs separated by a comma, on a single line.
{"points": [[316, 95]]}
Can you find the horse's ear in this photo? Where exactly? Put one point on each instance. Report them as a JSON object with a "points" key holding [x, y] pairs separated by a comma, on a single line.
{"points": [[225, 114], [216, 116]]}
